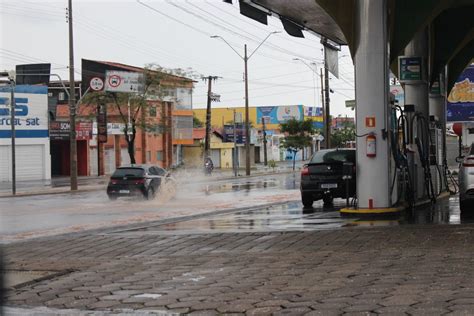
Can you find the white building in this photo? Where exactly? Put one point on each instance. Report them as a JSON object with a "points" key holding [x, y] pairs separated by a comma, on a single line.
{"points": [[33, 160]]}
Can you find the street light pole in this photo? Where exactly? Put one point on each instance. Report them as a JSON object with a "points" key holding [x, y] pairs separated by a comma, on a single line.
{"points": [[247, 123]]}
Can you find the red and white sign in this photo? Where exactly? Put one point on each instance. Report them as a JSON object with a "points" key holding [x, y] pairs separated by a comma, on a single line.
{"points": [[96, 84], [114, 81]]}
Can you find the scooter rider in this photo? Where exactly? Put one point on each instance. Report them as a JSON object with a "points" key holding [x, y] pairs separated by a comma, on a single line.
{"points": [[208, 165]]}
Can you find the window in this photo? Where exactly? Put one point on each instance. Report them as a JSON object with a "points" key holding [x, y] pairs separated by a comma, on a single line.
{"points": [[153, 111], [160, 171], [148, 156], [329, 156], [153, 171], [159, 155], [128, 172], [61, 96]]}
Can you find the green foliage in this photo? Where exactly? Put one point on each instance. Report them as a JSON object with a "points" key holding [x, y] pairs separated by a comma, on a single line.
{"points": [[197, 122], [341, 136], [298, 134]]}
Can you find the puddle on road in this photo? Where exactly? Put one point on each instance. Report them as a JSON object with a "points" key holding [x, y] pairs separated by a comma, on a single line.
{"points": [[235, 186], [292, 217]]}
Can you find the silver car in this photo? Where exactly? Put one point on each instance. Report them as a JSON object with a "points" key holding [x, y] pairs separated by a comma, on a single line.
{"points": [[466, 181]]}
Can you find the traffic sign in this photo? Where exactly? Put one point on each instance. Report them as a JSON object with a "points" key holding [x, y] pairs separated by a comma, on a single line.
{"points": [[96, 84], [114, 81], [124, 81]]}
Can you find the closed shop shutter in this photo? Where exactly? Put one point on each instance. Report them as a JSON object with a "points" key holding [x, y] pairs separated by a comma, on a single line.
{"points": [[93, 160], [216, 157], [109, 160], [124, 157], [5, 164], [30, 162]]}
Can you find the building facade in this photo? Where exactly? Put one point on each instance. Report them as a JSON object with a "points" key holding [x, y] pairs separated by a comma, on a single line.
{"points": [[32, 149]]}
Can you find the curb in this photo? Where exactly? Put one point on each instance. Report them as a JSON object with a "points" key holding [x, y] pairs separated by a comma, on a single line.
{"points": [[55, 192]]}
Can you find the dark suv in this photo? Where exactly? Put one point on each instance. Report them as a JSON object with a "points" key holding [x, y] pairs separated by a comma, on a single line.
{"points": [[322, 177], [133, 180]]}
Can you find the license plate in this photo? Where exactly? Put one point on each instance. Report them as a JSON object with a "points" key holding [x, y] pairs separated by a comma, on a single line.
{"points": [[124, 191], [328, 185]]}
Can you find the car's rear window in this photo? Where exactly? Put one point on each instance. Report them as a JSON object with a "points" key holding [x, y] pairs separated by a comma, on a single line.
{"points": [[330, 156], [130, 172]]}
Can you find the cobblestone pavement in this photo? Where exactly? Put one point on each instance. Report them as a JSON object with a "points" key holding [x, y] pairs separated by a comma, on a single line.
{"points": [[415, 270]]}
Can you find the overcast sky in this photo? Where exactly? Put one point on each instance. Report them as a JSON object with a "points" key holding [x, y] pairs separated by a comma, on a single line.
{"points": [[174, 34]]}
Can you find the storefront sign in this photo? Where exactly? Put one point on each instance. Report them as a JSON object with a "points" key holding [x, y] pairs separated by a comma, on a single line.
{"points": [[460, 105], [102, 123], [31, 111], [229, 133], [62, 130]]}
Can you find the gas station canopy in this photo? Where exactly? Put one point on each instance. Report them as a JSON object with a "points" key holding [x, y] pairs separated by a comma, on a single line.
{"points": [[450, 24]]}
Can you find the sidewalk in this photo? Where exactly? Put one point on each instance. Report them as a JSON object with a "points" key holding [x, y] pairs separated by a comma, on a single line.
{"points": [[59, 185], [405, 270]]}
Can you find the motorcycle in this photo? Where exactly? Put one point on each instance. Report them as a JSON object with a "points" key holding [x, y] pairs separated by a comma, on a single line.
{"points": [[208, 167]]}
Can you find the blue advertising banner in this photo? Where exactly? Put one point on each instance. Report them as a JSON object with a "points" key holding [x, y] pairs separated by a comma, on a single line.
{"points": [[280, 114], [460, 105]]}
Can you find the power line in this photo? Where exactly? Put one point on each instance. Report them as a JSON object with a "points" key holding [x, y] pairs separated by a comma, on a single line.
{"points": [[253, 38]]}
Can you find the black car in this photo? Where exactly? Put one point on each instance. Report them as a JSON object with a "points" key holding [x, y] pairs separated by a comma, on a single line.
{"points": [[322, 177], [133, 180]]}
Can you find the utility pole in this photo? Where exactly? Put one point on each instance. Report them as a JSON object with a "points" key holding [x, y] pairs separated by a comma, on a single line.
{"points": [[245, 58], [325, 122], [12, 124], [235, 147], [72, 104], [247, 123], [326, 106], [265, 162], [207, 143]]}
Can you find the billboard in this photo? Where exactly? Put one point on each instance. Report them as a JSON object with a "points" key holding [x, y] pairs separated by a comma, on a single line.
{"points": [[280, 114], [31, 112], [460, 105]]}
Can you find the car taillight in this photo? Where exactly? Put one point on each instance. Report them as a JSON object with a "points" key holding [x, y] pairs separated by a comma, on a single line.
{"points": [[468, 162], [113, 181], [305, 171], [140, 181]]}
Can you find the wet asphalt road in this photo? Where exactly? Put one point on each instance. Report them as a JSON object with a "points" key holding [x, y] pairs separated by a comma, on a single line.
{"points": [[54, 214], [33, 216]]}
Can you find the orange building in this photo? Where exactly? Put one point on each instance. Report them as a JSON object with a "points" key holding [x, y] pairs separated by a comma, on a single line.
{"points": [[168, 125]]}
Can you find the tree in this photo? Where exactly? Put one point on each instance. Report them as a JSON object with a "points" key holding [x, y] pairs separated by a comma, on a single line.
{"points": [[197, 122], [139, 110], [298, 135], [343, 135]]}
